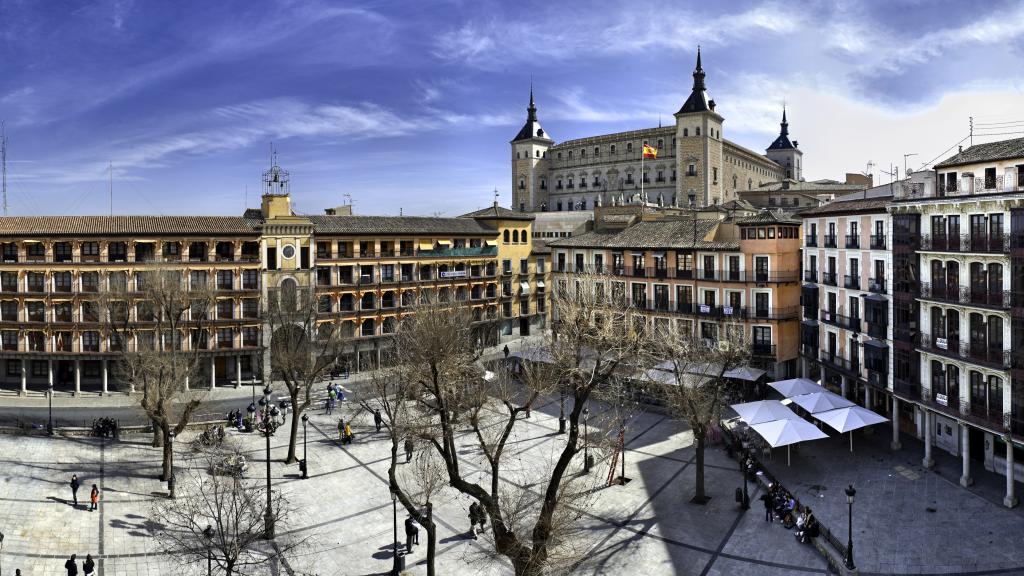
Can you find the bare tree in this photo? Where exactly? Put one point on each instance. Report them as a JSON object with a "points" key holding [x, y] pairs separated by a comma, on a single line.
{"points": [[302, 350], [159, 329], [414, 488], [594, 339], [696, 389], [219, 519]]}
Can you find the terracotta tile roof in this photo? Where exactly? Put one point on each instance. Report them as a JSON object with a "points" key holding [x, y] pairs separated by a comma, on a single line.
{"points": [[498, 213], [1002, 150], [399, 225], [651, 235], [877, 204], [125, 225]]}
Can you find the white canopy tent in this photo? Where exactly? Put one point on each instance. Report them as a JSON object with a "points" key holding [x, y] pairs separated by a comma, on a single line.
{"points": [[796, 387], [785, 432], [745, 373], [764, 411], [821, 401], [849, 419]]}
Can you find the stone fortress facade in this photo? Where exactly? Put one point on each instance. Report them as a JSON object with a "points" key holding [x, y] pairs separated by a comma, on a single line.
{"points": [[696, 165]]}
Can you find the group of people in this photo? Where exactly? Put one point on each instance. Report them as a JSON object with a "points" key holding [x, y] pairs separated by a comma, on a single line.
{"points": [[94, 494], [88, 566], [780, 504], [334, 394], [477, 516]]}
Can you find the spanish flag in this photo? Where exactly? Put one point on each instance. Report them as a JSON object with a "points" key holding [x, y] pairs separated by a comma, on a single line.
{"points": [[650, 151]]}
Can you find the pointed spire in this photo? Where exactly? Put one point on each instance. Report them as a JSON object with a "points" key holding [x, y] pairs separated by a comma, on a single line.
{"points": [[531, 110], [698, 74], [785, 124]]}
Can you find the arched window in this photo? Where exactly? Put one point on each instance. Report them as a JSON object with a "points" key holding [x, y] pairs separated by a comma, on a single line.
{"points": [[368, 327], [289, 294], [367, 302], [613, 148], [515, 236], [505, 237]]}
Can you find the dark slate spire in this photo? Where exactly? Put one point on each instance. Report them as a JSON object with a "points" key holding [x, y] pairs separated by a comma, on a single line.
{"points": [[532, 127], [698, 100], [782, 142]]}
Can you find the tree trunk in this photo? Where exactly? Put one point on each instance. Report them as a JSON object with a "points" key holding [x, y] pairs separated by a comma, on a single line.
{"points": [[431, 547], [168, 460], [229, 568], [158, 435], [293, 436], [699, 497]]}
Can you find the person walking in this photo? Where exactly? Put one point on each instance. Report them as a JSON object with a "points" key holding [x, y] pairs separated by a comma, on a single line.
{"points": [[72, 566], [377, 420], [474, 518], [348, 433], [88, 567], [412, 534], [481, 516], [341, 430], [408, 449], [505, 351], [94, 497], [768, 504], [74, 488], [331, 396]]}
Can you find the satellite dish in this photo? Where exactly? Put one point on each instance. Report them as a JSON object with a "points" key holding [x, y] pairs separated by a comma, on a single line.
{"points": [[909, 172]]}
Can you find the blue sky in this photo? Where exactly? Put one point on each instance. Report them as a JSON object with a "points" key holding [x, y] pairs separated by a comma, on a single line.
{"points": [[410, 105]]}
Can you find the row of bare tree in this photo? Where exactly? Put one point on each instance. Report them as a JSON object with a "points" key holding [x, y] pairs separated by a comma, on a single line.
{"points": [[461, 409]]}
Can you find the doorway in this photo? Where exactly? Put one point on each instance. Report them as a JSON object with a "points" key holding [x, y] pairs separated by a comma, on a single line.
{"points": [[524, 326]]}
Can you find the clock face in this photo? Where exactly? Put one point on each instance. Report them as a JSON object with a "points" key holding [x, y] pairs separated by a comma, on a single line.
{"points": [[288, 251]]}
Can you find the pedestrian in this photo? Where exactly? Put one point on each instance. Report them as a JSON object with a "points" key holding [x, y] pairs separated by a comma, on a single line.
{"points": [[408, 449], [348, 433], [412, 534], [377, 420], [768, 504], [505, 351], [341, 430], [74, 488], [474, 518], [331, 395], [94, 497], [481, 516], [72, 566], [88, 567]]}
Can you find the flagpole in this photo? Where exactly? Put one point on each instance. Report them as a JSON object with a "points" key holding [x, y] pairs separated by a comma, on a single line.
{"points": [[642, 197]]}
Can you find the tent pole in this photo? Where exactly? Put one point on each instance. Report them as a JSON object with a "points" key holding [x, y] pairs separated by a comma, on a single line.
{"points": [[851, 441], [787, 455]]}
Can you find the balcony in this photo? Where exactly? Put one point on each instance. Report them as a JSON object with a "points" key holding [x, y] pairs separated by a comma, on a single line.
{"points": [[839, 363], [853, 240], [811, 241], [755, 276], [762, 349], [877, 242], [876, 285], [877, 329], [811, 276], [851, 281], [905, 388], [830, 241], [840, 320], [828, 278], [809, 350], [965, 243]]}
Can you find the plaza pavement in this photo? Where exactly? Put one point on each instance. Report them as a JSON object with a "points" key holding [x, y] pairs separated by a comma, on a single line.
{"points": [[646, 527]]}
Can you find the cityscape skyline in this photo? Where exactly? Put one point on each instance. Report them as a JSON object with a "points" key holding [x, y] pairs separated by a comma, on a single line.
{"points": [[189, 112]]}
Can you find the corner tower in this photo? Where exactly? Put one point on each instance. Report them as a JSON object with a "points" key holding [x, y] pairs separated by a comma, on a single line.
{"points": [[699, 153], [529, 164], [785, 153]]}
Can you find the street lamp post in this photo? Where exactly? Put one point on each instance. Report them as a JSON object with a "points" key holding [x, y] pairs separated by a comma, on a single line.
{"points": [[850, 493], [586, 440], [395, 568], [208, 533], [305, 462], [170, 477], [268, 425], [745, 503], [561, 411], [49, 397]]}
